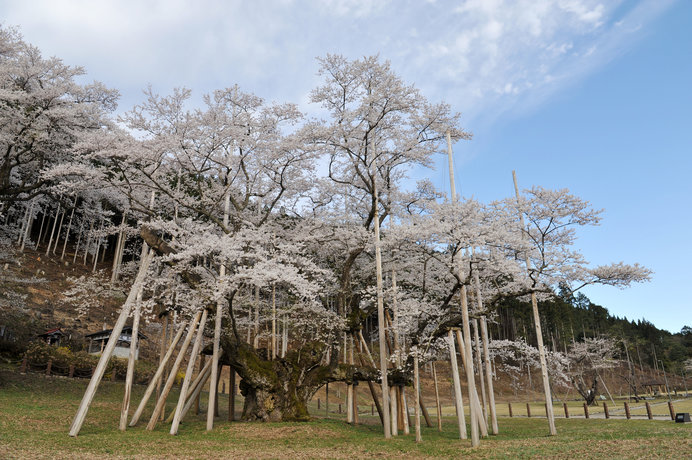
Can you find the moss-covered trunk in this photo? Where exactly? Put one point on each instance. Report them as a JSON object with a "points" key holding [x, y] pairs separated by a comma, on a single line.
{"points": [[279, 390]]}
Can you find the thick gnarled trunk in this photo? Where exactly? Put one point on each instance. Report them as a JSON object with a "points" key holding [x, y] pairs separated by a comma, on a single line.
{"points": [[279, 390]]}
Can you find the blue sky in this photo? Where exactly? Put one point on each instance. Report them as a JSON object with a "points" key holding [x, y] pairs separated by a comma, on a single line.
{"points": [[589, 95]]}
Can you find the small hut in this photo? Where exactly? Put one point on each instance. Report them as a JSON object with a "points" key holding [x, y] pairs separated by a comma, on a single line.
{"points": [[53, 336], [98, 340]]}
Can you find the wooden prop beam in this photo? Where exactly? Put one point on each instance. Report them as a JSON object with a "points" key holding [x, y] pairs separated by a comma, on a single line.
{"points": [[458, 403], [474, 402], [416, 379], [188, 373], [173, 373], [157, 376], [489, 375], [131, 363], [437, 399], [110, 346]]}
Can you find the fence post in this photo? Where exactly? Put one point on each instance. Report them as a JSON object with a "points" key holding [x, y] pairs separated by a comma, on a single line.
{"points": [[671, 410], [586, 411], [627, 410], [605, 409], [564, 405], [49, 366], [648, 411], [528, 410], [71, 374], [509, 405], [22, 368]]}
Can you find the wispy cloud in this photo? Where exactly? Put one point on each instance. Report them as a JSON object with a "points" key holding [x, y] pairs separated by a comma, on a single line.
{"points": [[485, 57]]}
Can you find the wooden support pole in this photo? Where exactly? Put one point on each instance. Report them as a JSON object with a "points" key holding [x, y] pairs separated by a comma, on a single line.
{"points": [[474, 401], [57, 237], [195, 390], [173, 373], [157, 376], [202, 366], [214, 379], [274, 321], [162, 350], [117, 257], [188, 373], [424, 410], [416, 379], [380, 314], [403, 410], [605, 410], [564, 406], [457, 386], [132, 357], [539, 333], [479, 365], [489, 375], [393, 403], [371, 385], [528, 410], [671, 410], [586, 411], [231, 394], [437, 399], [627, 410], [509, 406], [648, 410], [110, 346]]}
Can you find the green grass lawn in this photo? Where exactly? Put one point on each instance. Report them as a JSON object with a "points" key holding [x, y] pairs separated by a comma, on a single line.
{"points": [[36, 412]]}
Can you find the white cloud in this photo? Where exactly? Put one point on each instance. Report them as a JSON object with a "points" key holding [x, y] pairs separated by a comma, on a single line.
{"points": [[482, 56]]}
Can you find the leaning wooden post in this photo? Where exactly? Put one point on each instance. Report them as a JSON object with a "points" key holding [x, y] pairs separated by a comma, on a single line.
{"points": [[627, 410], [194, 391], [188, 373], [370, 384], [173, 373], [110, 346], [157, 376], [69, 226], [117, 257], [466, 350], [586, 411], [489, 375], [437, 399], [213, 381], [479, 365], [473, 398], [648, 411], [162, 349], [605, 410], [202, 367], [231, 394], [671, 410], [539, 333], [457, 386], [528, 410], [424, 411], [416, 380], [393, 409], [131, 363], [380, 312], [564, 406], [509, 406]]}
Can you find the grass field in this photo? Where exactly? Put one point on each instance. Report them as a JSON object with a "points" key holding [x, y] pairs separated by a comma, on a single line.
{"points": [[36, 411]]}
